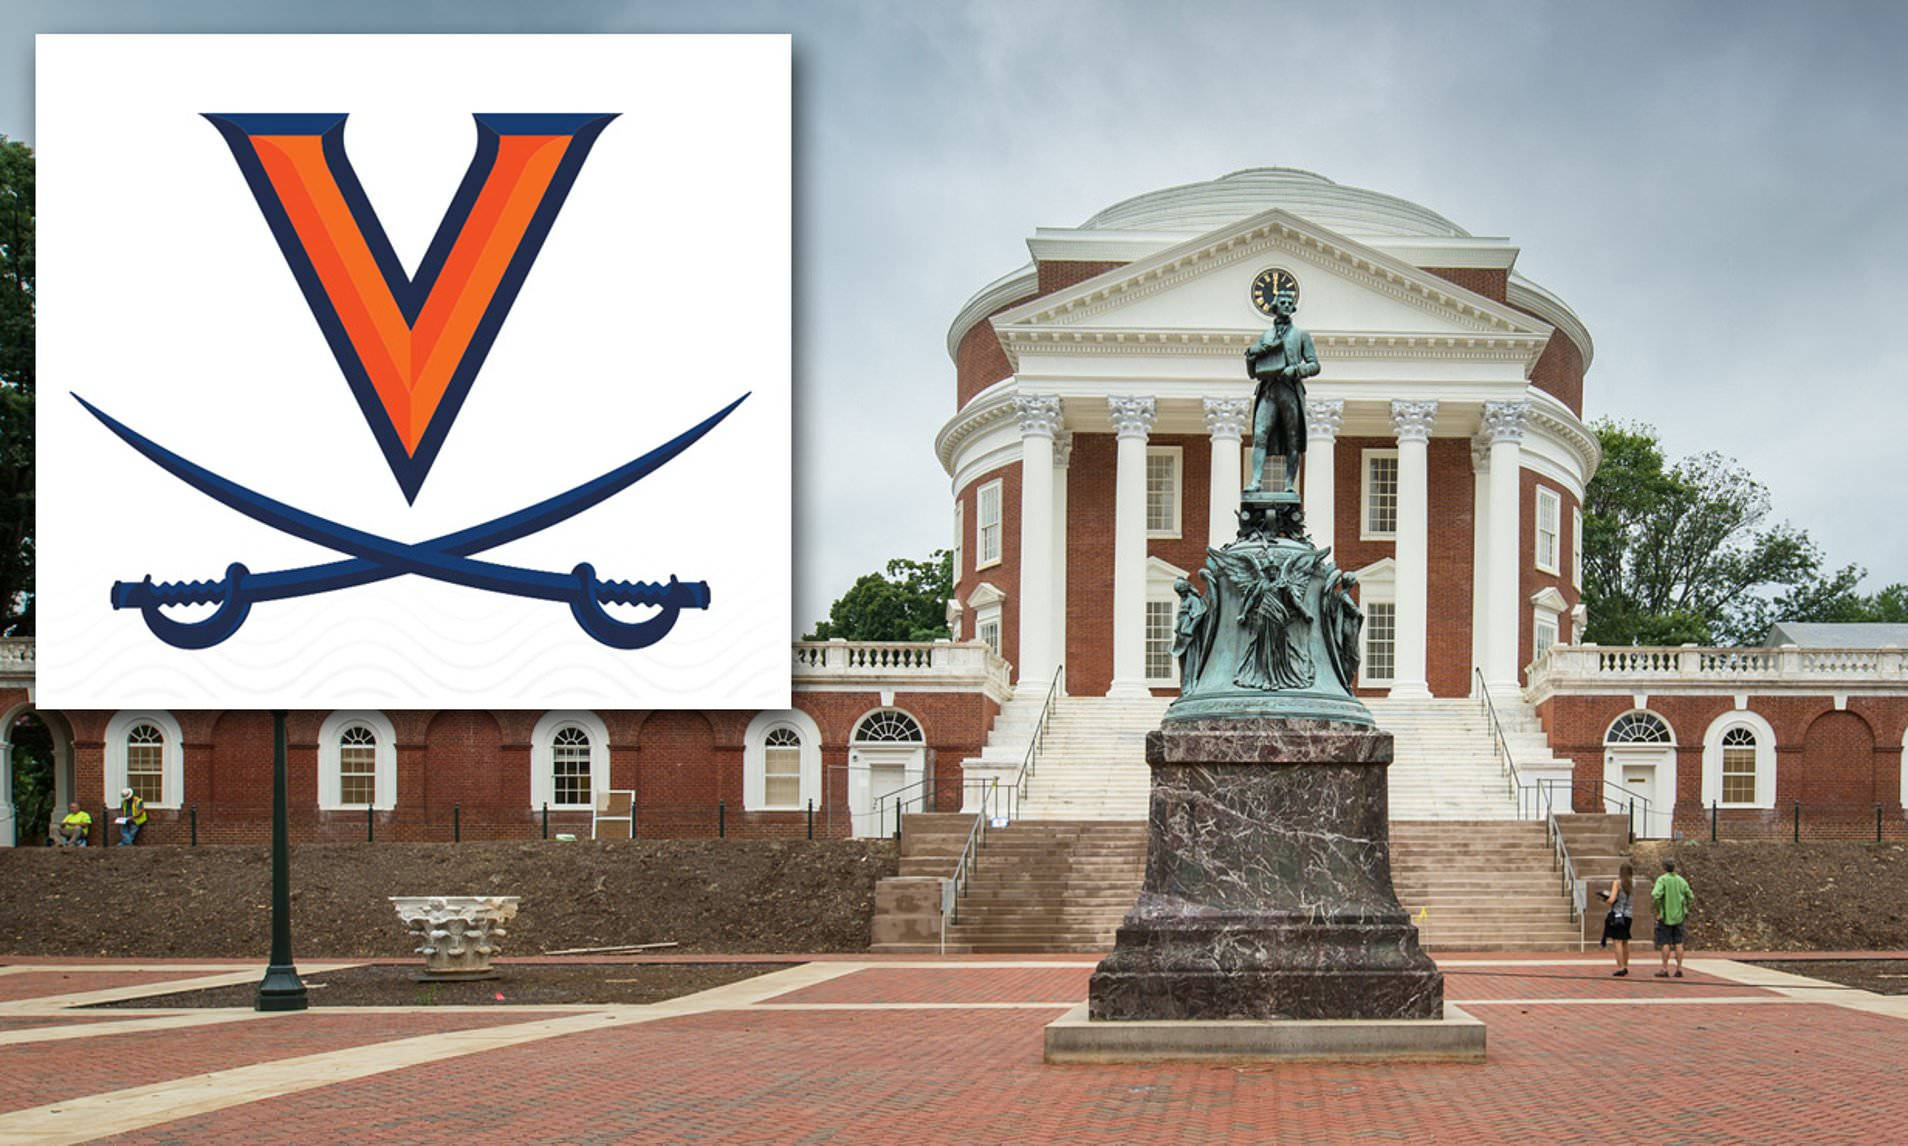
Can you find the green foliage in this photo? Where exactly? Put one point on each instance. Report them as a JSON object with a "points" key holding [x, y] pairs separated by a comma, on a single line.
{"points": [[16, 388], [32, 779], [909, 603], [1680, 553]]}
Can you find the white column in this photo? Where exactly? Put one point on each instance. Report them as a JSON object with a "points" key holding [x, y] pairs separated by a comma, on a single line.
{"points": [[1062, 457], [1503, 432], [1039, 421], [1132, 421], [1225, 421], [1322, 420], [1411, 421], [1480, 560], [7, 827]]}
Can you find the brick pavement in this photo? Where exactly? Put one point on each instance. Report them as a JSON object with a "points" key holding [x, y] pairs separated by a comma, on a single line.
{"points": [[955, 1056]]}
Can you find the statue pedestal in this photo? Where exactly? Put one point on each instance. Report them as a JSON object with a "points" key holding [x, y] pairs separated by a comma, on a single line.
{"points": [[1267, 897]]}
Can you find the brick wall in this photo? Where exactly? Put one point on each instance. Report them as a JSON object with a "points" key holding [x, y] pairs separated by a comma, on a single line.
{"points": [[1005, 575], [1491, 282], [1090, 482], [1531, 580], [1559, 371], [1846, 760]]}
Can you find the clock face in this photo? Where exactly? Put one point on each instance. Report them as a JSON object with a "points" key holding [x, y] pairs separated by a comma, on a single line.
{"points": [[1270, 284]]}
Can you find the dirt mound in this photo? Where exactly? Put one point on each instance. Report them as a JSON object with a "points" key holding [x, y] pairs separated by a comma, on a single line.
{"points": [[214, 902], [1770, 896]]}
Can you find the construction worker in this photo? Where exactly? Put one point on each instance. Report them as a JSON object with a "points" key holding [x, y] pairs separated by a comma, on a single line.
{"points": [[74, 828], [132, 817]]}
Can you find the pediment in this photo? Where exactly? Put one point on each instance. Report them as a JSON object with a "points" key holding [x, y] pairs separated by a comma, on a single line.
{"points": [[1201, 290]]}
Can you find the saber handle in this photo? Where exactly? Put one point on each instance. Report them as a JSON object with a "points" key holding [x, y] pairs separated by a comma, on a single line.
{"points": [[681, 594], [671, 599], [228, 594]]}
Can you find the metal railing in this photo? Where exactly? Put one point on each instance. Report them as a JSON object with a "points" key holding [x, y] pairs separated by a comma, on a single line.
{"points": [[990, 803], [1553, 831]]}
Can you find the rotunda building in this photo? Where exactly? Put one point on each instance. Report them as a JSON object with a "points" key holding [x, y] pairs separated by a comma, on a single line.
{"points": [[1101, 432]]}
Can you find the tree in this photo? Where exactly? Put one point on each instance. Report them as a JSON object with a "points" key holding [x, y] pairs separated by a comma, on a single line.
{"points": [[16, 388], [1676, 554], [909, 603]]}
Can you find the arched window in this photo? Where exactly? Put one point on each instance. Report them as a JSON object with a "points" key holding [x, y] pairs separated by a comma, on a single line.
{"points": [[146, 763], [569, 760], [570, 766], [1739, 761], [145, 751], [1639, 728], [781, 762], [357, 762], [887, 726]]}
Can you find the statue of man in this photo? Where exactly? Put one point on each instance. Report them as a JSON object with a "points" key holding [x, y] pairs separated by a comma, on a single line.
{"points": [[1282, 359], [1192, 632]]}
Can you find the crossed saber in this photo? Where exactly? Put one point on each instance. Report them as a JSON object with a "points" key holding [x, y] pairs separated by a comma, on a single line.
{"points": [[375, 558]]}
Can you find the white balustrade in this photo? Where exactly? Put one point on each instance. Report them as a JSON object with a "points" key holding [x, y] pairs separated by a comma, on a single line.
{"points": [[1593, 668], [903, 664]]}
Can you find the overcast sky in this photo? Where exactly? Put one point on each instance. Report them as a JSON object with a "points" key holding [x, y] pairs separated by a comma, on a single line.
{"points": [[1719, 190]]}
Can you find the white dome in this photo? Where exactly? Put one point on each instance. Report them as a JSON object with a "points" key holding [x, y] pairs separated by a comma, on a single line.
{"points": [[1213, 204]]}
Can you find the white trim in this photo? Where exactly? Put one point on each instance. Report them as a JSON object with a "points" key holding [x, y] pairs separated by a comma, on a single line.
{"points": [[1540, 618], [1765, 759], [754, 759], [1177, 454], [1576, 549], [173, 760], [1377, 585], [997, 488], [1660, 822], [1160, 575], [543, 757], [960, 538], [330, 762], [1546, 495], [1365, 532]]}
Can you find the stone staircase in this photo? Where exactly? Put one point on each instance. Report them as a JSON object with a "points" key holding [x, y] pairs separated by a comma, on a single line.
{"points": [[1061, 877]]}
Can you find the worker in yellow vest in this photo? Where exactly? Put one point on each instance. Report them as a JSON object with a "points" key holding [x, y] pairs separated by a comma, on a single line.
{"points": [[74, 828], [132, 817]]}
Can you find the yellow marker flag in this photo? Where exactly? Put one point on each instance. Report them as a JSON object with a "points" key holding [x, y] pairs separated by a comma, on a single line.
{"points": [[1424, 913]]}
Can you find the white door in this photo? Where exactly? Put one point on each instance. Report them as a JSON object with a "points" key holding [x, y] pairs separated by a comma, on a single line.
{"points": [[1640, 780], [883, 782]]}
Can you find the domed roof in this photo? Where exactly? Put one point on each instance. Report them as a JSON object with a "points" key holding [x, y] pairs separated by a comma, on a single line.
{"points": [[1229, 198]]}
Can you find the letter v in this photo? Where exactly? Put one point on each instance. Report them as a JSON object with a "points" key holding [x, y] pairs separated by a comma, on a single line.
{"points": [[410, 347]]}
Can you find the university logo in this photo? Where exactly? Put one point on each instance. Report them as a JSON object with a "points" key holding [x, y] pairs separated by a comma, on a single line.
{"points": [[410, 348]]}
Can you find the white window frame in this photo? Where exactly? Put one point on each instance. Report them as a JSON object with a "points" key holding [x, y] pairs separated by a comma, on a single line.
{"points": [[1765, 759], [755, 759], [960, 536], [985, 603], [1365, 531], [981, 558], [543, 758], [1160, 576], [172, 772], [331, 762], [1547, 561], [1543, 620], [1177, 499], [1576, 547], [1377, 585]]}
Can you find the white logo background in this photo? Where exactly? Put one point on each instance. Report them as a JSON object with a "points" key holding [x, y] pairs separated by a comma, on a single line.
{"points": [[660, 295]]}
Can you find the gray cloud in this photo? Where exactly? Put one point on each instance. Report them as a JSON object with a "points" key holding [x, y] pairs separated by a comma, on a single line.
{"points": [[1716, 188]]}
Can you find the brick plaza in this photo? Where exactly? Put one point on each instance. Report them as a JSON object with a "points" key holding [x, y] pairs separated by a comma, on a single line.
{"points": [[859, 1049]]}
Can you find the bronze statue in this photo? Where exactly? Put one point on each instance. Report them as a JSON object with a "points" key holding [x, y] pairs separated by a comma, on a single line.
{"points": [[1281, 359], [1192, 631], [1271, 585], [1342, 622]]}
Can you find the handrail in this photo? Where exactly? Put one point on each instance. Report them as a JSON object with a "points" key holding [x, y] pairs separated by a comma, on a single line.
{"points": [[989, 803], [1027, 762], [1553, 831]]}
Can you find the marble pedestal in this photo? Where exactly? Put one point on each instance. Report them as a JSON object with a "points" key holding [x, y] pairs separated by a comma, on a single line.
{"points": [[1268, 884]]}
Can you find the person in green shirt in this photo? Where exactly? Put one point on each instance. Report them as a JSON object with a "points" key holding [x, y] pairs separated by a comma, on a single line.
{"points": [[1671, 897], [74, 828]]}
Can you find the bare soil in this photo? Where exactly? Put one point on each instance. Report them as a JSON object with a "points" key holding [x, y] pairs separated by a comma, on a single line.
{"points": [[708, 896], [1779, 896], [1882, 976], [516, 985]]}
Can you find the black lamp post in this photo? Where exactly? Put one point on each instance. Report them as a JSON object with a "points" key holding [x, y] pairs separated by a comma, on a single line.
{"points": [[281, 989]]}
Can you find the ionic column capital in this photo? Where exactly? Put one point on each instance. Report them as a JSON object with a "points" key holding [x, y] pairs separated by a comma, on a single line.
{"points": [[1323, 417], [1132, 417], [1226, 417], [1039, 415], [1503, 422], [1411, 421]]}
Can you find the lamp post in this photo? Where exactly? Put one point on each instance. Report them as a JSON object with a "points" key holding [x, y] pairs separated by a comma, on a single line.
{"points": [[281, 989]]}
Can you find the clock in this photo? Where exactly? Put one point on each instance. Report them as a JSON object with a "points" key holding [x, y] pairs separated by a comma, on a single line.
{"points": [[1270, 283]]}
